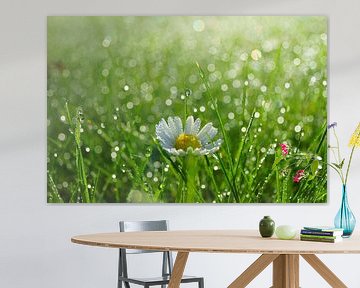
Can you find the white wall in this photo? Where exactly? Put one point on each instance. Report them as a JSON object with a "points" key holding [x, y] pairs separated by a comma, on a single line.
{"points": [[35, 248]]}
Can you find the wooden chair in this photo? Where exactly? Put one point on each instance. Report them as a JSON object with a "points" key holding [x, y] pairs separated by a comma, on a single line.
{"points": [[167, 262]]}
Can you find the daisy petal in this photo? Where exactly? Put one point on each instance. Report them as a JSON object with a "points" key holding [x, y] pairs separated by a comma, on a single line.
{"points": [[196, 126], [189, 125], [178, 124]]}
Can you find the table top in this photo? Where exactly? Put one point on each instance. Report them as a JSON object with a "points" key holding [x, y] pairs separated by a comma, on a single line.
{"points": [[216, 241]]}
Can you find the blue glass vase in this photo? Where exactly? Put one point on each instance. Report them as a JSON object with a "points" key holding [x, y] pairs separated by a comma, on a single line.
{"points": [[345, 219]]}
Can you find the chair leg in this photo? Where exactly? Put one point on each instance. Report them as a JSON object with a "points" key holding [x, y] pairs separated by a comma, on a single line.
{"points": [[201, 283]]}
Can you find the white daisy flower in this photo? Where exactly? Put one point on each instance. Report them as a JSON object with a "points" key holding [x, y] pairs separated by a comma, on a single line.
{"points": [[178, 141]]}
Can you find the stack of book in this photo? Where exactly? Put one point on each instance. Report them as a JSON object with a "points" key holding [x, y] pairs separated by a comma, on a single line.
{"points": [[321, 234]]}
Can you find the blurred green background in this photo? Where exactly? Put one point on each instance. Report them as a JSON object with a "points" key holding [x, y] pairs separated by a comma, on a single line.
{"points": [[111, 80]]}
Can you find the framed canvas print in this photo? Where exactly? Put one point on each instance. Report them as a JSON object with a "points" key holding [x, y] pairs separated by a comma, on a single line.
{"points": [[179, 109]]}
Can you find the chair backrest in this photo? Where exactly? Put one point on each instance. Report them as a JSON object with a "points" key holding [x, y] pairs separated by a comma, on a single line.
{"points": [[134, 226]]}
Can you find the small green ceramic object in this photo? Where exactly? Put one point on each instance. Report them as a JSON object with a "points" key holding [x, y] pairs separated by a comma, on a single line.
{"points": [[266, 226], [286, 232]]}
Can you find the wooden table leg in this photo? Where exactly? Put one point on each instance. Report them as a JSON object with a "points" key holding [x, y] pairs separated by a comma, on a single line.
{"points": [[253, 270], [178, 270], [324, 271], [286, 271]]}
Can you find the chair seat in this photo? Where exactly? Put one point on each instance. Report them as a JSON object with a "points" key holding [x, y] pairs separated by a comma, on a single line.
{"points": [[158, 280]]}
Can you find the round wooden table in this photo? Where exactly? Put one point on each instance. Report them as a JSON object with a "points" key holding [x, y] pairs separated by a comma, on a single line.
{"points": [[284, 254]]}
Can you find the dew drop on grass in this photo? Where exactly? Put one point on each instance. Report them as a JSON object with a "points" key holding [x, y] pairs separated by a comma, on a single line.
{"points": [[256, 54], [243, 129], [130, 105], [227, 99], [231, 116], [257, 114], [168, 102], [287, 85], [155, 179], [263, 88], [126, 88], [105, 72], [216, 168], [113, 155], [224, 87], [113, 176], [149, 174], [106, 42], [203, 186], [297, 128], [297, 61], [188, 92], [115, 117], [62, 118], [202, 109], [61, 137], [211, 67], [236, 83], [280, 120], [198, 25], [246, 83], [116, 148], [55, 155], [195, 110], [182, 97], [87, 149], [282, 110]]}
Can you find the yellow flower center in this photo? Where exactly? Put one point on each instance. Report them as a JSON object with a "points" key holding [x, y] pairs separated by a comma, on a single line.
{"points": [[184, 141]]}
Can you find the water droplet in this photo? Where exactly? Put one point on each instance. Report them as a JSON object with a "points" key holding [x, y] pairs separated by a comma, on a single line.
{"points": [[202, 109], [126, 88], [287, 85], [187, 92], [224, 87], [149, 174], [297, 128], [280, 120], [211, 67], [198, 25], [203, 186], [297, 61], [62, 118], [216, 168], [243, 129], [61, 137], [143, 128], [87, 149], [168, 102], [236, 83], [256, 54], [231, 115], [106, 42], [113, 176], [257, 115], [130, 105], [113, 155], [105, 72]]}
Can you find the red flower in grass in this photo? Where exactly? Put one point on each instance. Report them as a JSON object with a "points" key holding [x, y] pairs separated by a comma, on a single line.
{"points": [[298, 176], [284, 149]]}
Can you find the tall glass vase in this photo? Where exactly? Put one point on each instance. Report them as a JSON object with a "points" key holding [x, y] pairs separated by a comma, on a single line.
{"points": [[345, 219]]}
